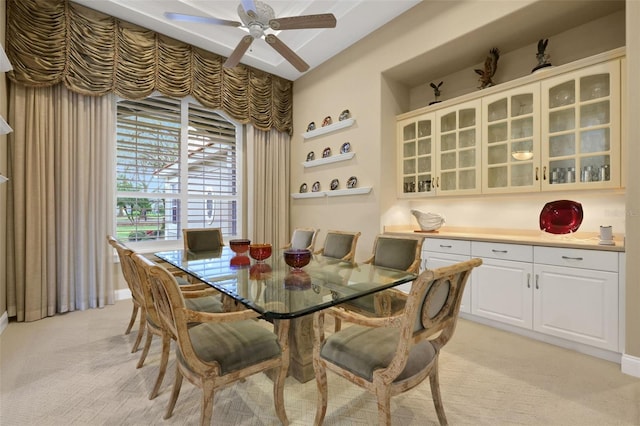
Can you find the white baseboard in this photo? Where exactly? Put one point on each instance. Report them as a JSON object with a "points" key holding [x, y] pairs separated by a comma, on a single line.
{"points": [[630, 365], [4, 321], [123, 294]]}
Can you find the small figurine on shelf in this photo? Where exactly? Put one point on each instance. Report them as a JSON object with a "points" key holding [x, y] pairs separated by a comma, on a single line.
{"points": [[327, 120], [344, 115], [490, 68], [541, 56], [436, 92], [311, 126]]}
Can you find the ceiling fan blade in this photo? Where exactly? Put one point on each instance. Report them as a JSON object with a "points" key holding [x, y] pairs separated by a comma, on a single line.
{"points": [[201, 19], [249, 7], [238, 52], [323, 20], [287, 53]]}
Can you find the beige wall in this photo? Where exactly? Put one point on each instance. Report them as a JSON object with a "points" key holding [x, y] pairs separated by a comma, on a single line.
{"points": [[632, 126], [3, 171], [358, 79]]}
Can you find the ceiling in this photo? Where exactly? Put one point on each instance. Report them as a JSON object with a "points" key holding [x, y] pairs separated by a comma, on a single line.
{"points": [[355, 20]]}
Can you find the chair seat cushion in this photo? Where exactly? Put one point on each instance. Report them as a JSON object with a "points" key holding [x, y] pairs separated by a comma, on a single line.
{"points": [[233, 345], [204, 304], [362, 350]]}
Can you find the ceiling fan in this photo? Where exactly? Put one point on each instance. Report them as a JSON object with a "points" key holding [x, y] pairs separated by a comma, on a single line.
{"points": [[258, 17]]}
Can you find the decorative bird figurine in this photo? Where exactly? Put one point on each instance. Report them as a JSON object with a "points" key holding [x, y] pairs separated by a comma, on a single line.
{"points": [[428, 221], [436, 92], [541, 56], [490, 68]]}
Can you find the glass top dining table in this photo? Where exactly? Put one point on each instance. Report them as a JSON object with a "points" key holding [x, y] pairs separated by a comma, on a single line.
{"points": [[277, 291]]}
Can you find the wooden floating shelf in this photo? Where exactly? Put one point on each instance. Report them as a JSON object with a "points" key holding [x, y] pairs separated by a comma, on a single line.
{"points": [[327, 160], [329, 128], [334, 193]]}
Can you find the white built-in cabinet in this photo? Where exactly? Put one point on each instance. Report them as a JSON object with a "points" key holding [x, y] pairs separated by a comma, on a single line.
{"points": [[556, 130], [437, 253], [576, 295], [440, 152], [502, 289], [572, 294], [581, 128]]}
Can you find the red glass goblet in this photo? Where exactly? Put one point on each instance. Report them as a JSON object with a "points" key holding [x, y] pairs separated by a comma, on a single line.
{"points": [[260, 271], [239, 246], [260, 252]]}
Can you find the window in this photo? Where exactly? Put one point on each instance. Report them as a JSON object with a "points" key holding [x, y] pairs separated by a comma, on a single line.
{"points": [[178, 165]]}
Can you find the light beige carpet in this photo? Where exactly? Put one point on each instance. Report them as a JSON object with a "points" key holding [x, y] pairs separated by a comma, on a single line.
{"points": [[77, 369]]}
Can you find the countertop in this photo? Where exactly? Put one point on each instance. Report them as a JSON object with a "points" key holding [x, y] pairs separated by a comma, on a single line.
{"points": [[580, 240]]}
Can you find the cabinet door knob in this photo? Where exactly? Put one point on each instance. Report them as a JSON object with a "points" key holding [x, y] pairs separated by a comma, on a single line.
{"points": [[498, 251], [537, 177], [443, 246], [528, 280], [537, 286], [544, 173]]}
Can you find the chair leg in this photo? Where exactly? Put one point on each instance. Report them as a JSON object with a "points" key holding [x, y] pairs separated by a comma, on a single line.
{"points": [[141, 329], [164, 361], [321, 382], [278, 394], [174, 393], [338, 324], [145, 350], [206, 409], [134, 315], [434, 381], [384, 406]]}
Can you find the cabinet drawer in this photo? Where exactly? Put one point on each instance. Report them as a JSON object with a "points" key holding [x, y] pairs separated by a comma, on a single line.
{"points": [[503, 251], [443, 245], [577, 258]]}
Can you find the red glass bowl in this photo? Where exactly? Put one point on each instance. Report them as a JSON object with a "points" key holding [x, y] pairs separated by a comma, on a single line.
{"points": [[561, 217], [239, 246], [260, 252], [239, 262], [297, 258]]}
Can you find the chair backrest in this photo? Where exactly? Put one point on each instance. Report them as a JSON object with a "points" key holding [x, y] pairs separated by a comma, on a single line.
{"points": [[397, 252], [304, 238], [340, 245], [143, 269], [202, 239], [433, 304], [128, 269]]}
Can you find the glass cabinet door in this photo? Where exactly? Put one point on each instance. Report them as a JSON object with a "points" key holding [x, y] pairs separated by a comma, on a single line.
{"points": [[581, 128], [511, 135], [416, 156], [458, 158]]}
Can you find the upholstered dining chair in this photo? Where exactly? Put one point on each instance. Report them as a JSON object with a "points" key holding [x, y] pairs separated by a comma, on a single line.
{"points": [[201, 299], [202, 239], [130, 278], [389, 251], [340, 245], [221, 349], [303, 238], [390, 355]]}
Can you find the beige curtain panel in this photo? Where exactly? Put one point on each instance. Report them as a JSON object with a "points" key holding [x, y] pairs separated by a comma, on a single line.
{"points": [[58, 41]]}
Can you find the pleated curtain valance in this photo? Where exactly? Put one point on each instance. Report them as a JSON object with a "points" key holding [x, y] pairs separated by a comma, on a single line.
{"points": [[57, 41]]}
